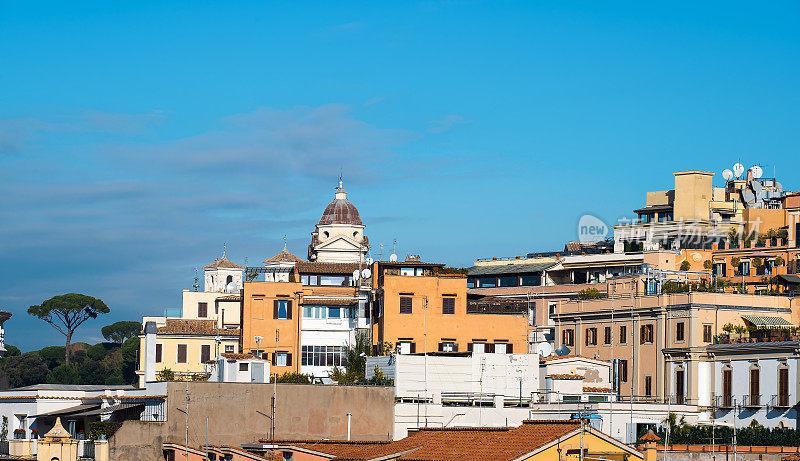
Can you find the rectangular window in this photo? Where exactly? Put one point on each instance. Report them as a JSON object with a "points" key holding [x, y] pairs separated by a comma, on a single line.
{"points": [[243, 366], [406, 347], [447, 346], [531, 280], [783, 387], [477, 348], [202, 310], [308, 312], [320, 356], [568, 337], [405, 304], [280, 359], [181, 353], [501, 348], [607, 335], [623, 334], [727, 388], [334, 281], [205, 353], [623, 371], [158, 353], [591, 336], [448, 305], [755, 391], [679, 387], [707, 333], [334, 312], [487, 282], [648, 386], [679, 333], [646, 334], [229, 349], [509, 281], [282, 309]]}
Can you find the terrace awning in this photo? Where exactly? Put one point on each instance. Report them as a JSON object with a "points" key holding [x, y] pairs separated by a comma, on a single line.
{"points": [[110, 409], [67, 411], [767, 321]]}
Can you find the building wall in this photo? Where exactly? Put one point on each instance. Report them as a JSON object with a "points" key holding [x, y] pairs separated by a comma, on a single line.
{"points": [[302, 412], [169, 352], [461, 327], [692, 194], [228, 310], [593, 445], [278, 335]]}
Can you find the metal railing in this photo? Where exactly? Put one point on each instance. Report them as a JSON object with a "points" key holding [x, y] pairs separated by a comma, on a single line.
{"points": [[751, 400], [724, 401], [779, 400], [477, 399], [87, 450]]}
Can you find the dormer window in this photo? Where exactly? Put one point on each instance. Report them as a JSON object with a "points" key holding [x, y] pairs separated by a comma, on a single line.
{"points": [[325, 234]]}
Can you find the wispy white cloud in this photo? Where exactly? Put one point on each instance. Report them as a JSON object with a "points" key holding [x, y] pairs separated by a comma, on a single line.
{"points": [[446, 123]]}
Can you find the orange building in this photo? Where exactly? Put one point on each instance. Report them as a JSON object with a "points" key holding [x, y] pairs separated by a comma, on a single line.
{"points": [[419, 308]]}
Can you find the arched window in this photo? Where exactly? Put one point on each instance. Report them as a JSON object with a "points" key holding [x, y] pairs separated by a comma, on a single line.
{"points": [[229, 279]]}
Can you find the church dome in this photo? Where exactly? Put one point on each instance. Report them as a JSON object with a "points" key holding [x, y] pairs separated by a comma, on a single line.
{"points": [[340, 211]]}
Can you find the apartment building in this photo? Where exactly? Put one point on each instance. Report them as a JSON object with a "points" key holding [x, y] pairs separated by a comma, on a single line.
{"points": [[206, 325], [420, 308], [695, 213], [635, 330]]}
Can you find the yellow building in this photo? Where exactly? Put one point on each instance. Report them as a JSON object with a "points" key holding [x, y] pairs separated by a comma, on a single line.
{"points": [[183, 347]]}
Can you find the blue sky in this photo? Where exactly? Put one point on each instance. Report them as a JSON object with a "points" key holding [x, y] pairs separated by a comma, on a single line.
{"points": [[137, 137]]}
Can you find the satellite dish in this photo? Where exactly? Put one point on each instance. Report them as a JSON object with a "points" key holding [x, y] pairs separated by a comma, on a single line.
{"points": [[356, 274], [544, 349], [748, 196], [756, 185], [370, 261], [231, 288], [757, 171], [738, 169], [393, 258], [727, 174], [778, 188], [562, 350], [366, 273]]}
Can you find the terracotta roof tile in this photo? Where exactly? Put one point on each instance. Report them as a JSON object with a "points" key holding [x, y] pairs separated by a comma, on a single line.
{"points": [[223, 263], [195, 327], [566, 376], [283, 256], [307, 267], [596, 390], [650, 437]]}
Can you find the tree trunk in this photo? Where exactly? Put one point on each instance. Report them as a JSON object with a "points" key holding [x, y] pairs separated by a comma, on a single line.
{"points": [[66, 351]]}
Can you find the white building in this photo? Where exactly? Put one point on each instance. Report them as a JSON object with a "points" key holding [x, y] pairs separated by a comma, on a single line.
{"points": [[4, 315], [339, 235], [238, 368]]}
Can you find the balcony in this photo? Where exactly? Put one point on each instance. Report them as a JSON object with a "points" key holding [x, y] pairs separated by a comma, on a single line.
{"points": [[724, 401], [751, 401], [779, 401]]}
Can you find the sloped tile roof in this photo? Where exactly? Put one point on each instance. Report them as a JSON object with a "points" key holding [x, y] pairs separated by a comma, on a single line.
{"points": [[450, 444], [223, 263], [283, 256], [194, 327], [566, 376], [308, 267]]}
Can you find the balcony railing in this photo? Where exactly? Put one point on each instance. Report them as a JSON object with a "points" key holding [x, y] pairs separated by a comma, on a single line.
{"points": [[751, 400], [87, 450], [779, 401], [724, 401]]}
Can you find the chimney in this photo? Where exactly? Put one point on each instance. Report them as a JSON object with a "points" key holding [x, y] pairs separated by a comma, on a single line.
{"points": [[650, 447], [150, 331]]}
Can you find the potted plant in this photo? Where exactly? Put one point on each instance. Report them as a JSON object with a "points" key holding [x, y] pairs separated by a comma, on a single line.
{"points": [[19, 434], [81, 435], [34, 433]]}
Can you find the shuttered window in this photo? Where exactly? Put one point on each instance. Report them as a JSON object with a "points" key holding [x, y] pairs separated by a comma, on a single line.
{"points": [[202, 310], [783, 387], [158, 353], [727, 388], [205, 353], [679, 331], [755, 391], [282, 309], [405, 304], [181, 353], [448, 305]]}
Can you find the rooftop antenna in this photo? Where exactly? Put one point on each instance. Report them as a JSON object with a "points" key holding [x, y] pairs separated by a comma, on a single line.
{"points": [[284, 242], [196, 284], [224, 249]]}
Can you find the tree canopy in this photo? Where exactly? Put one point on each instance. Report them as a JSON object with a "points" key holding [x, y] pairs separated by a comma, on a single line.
{"points": [[118, 332], [67, 312]]}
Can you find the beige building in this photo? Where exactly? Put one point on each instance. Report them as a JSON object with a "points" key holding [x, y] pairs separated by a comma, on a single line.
{"points": [[634, 328]]}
